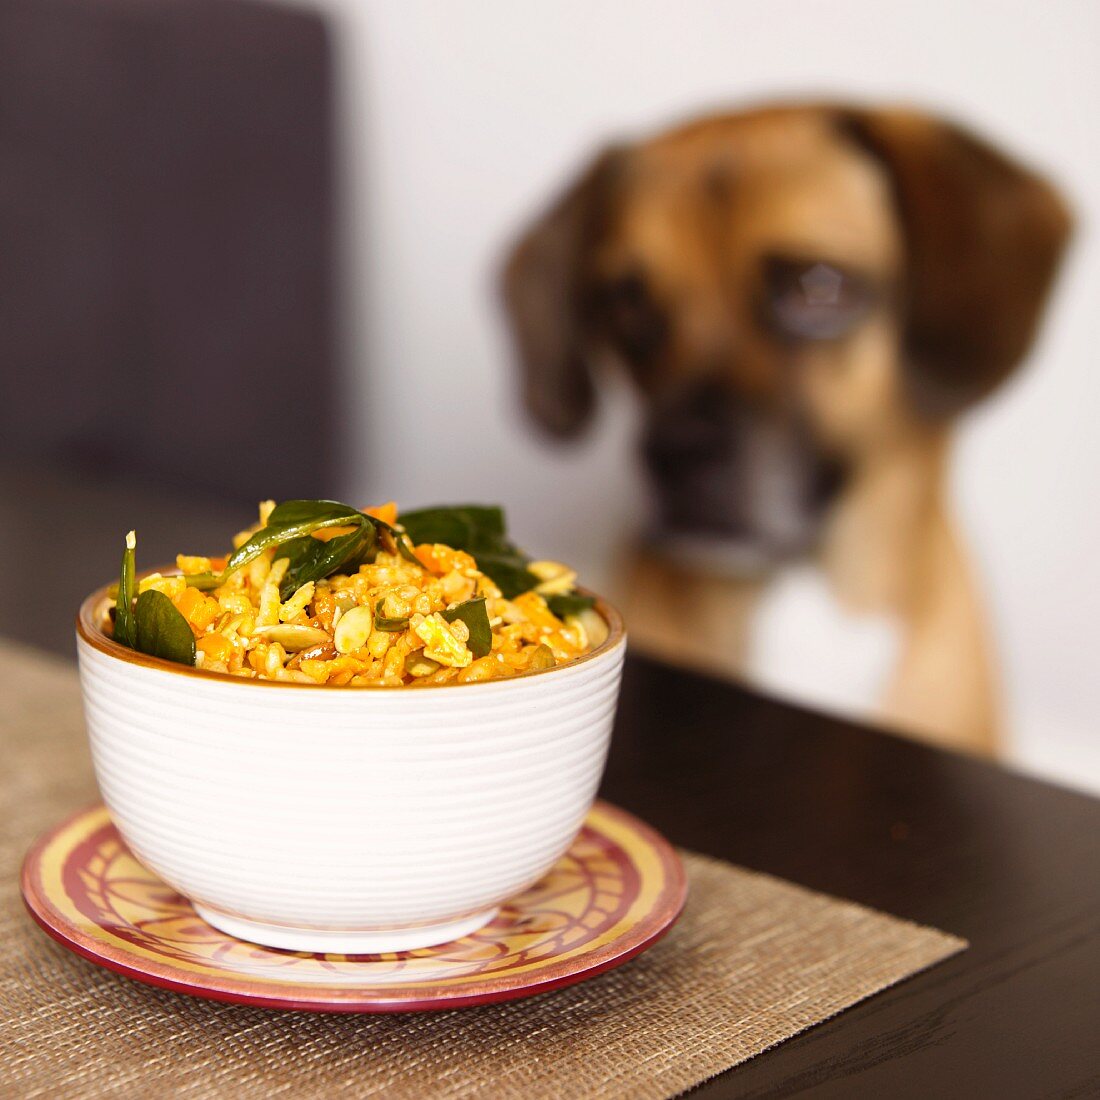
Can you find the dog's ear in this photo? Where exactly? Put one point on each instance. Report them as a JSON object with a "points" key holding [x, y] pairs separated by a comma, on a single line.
{"points": [[543, 288], [983, 236]]}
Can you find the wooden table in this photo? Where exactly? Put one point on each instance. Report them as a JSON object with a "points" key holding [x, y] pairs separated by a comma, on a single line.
{"points": [[1009, 863]]}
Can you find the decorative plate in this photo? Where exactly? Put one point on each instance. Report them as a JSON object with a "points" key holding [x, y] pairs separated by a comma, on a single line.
{"points": [[617, 890]]}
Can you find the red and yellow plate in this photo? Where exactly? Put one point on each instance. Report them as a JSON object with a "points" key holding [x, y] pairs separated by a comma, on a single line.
{"points": [[617, 890]]}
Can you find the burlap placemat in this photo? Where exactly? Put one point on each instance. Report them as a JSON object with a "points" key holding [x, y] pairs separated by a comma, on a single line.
{"points": [[753, 961]]}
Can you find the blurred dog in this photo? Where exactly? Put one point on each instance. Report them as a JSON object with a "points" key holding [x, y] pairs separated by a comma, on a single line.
{"points": [[807, 297]]}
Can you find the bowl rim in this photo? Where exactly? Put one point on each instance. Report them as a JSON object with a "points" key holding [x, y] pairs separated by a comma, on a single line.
{"points": [[93, 635]]}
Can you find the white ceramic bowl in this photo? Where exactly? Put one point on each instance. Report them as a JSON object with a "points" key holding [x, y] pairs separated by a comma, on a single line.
{"points": [[352, 820]]}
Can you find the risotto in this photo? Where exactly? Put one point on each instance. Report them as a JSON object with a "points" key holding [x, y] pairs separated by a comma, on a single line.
{"points": [[321, 593]]}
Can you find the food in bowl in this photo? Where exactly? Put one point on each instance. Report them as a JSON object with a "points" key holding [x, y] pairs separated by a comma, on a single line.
{"points": [[319, 592], [303, 817]]}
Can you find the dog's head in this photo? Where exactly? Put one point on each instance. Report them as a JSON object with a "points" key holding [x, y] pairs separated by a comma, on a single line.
{"points": [[792, 289]]}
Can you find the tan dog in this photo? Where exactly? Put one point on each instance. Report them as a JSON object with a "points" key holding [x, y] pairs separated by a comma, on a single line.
{"points": [[806, 297]]}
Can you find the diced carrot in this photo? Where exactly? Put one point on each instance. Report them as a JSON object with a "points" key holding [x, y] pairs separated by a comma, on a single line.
{"points": [[387, 513], [205, 613], [425, 554], [324, 607], [187, 601], [217, 647], [536, 610], [199, 610]]}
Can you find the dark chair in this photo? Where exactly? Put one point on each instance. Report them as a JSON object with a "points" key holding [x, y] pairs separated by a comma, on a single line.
{"points": [[166, 242], [167, 326]]}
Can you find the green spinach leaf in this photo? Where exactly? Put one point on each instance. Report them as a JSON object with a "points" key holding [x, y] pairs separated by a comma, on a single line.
{"points": [[311, 559], [161, 631], [277, 535], [476, 618], [508, 570], [479, 529], [437, 525], [291, 513], [462, 526], [571, 603], [487, 519]]}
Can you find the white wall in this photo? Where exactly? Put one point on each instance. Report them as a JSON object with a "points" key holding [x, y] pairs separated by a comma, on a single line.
{"points": [[462, 117]]}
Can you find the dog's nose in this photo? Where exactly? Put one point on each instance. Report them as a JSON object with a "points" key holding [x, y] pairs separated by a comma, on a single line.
{"points": [[720, 465], [693, 429]]}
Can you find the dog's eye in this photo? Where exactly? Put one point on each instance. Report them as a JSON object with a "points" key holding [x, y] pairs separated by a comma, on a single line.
{"points": [[813, 300], [632, 318]]}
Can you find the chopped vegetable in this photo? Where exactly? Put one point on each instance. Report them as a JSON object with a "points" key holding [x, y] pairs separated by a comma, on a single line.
{"points": [[543, 657], [160, 630], [476, 618], [124, 600], [440, 643]]}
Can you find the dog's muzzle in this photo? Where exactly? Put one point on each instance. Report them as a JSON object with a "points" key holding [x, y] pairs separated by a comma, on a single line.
{"points": [[735, 488]]}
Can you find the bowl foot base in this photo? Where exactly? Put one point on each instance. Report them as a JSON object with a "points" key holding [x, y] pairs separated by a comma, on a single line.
{"points": [[351, 942]]}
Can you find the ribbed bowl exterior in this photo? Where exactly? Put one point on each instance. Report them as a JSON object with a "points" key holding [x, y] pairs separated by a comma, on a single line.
{"points": [[348, 808]]}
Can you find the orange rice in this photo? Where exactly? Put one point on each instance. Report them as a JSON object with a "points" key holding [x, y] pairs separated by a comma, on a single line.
{"points": [[327, 632]]}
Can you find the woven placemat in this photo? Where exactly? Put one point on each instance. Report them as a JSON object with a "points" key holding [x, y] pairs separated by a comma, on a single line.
{"points": [[753, 961]]}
